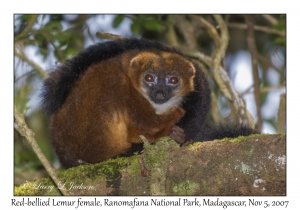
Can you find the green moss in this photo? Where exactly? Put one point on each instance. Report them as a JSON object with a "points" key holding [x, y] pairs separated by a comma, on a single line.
{"points": [[235, 140], [158, 152], [99, 170], [108, 171], [36, 188], [25, 189], [186, 188], [243, 138], [204, 185], [195, 145], [156, 157]]}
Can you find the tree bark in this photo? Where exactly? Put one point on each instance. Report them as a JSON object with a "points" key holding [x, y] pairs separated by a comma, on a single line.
{"points": [[254, 165]]}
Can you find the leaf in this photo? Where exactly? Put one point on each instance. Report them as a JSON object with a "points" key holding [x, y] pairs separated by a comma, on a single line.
{"points": [[280, 41], [153, 25], [118, 20], [280, 26], [136, 27], [25, 18], [52, 26]]}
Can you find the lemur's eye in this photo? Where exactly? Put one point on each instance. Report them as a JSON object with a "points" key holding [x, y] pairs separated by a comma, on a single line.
{"points": [[173, 80], [149, 78]]}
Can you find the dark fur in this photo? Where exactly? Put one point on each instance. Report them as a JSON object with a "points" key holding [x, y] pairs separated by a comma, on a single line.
{"points": [[196, 105], [221, 131]]}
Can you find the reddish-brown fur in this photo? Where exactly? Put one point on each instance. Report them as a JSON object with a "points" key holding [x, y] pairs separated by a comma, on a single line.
{"points": [[105, 113]]}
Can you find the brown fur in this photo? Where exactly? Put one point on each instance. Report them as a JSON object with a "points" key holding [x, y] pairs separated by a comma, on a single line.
{"points": [[106, 111]]}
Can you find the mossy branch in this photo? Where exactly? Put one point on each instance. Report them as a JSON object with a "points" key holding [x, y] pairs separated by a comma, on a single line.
{"points": [[21, 126], [157, 160], [248, 166]]}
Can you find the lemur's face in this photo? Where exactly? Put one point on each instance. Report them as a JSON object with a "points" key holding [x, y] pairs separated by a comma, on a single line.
{"points": [[162, 78]]}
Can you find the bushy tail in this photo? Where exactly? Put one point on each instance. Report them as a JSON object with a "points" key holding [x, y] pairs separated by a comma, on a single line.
{"points": [[221, 131]]}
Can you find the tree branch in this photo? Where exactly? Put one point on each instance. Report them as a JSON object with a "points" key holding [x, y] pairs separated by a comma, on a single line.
{"points": [[253, 52], [104, 35], [267, 61], [23, 57], [27, 28], [244, 117], [281, 120], [21, 127], [257, 28], [170, 31], [270, 18], [212, 32], [249, 166], [187, 31], [220, 53], [263, 90]]}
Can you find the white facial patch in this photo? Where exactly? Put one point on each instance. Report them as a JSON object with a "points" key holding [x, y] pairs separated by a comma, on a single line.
{"points": [[174, 101], [162, 108]]}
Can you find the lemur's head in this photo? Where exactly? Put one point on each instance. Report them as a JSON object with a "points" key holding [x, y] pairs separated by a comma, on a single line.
{"points": [[163, 78]]}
